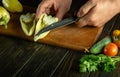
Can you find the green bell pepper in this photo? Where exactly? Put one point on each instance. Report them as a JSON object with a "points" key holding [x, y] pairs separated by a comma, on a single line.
{"points": [[12, 5], [4, 17], [43, 22], [28, 23]]}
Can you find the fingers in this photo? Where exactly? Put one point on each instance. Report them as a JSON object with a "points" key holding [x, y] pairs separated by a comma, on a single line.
{"points": [[86, 8], [86, 14], [43, 7], [90, 19], [60, 14], [82, 22], [39, 12]]}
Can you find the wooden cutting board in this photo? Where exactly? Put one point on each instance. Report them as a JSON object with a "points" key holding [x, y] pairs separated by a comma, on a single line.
{"points": [[70, 36]]}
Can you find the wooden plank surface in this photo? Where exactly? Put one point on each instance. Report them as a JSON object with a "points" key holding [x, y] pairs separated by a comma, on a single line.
{"points": [[67, 36], [20, 58], [70, 67]]}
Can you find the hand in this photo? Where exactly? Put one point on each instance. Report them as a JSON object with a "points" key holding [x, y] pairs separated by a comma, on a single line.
{"points": [[56, 7], [98, 12]]}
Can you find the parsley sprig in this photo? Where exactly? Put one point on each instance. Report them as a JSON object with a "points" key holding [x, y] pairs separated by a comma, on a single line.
{"points": [[92, 63]]}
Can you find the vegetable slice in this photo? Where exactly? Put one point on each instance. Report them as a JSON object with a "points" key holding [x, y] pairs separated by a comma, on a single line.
{"points": [[12, 5], [4, 17], [28, 23], [44, 21]]}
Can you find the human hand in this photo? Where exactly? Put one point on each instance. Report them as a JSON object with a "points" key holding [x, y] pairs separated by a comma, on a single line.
{"points": [[56, 7], [98, 12]]}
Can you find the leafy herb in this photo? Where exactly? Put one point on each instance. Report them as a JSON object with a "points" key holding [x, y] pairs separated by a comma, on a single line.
{"points": [[92, 63]]}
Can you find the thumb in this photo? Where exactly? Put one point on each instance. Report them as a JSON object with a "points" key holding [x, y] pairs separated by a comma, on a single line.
{"points": [[86, 8]]}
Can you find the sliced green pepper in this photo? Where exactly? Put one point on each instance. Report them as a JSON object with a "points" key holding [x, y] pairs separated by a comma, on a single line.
{"points": [[44, 21], [12, 5], [28, 23], [4, 17]]}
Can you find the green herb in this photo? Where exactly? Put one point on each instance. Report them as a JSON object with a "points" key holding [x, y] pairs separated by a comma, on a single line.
{"points": [[92, 63]]}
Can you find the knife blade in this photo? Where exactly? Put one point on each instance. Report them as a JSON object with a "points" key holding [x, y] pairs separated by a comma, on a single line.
{"points": [[62, 23]]}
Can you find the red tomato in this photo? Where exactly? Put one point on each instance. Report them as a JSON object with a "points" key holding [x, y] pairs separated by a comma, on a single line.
{"points": [[111, 49]]}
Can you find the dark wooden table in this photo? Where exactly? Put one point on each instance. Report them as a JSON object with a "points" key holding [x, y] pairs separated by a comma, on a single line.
{"points": [[22, 58]]}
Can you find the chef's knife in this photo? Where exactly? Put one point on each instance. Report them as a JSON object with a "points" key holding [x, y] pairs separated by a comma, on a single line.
{"points": [[62, 23]]}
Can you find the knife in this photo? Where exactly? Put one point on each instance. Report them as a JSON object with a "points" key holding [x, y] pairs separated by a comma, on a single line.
{"points": [[62, 23]]}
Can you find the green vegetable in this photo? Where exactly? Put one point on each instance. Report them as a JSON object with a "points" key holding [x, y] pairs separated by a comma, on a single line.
{"points": [[28, 23], [92, 63], [44, 21], [12, 5], [4, 17], [97, 48]]}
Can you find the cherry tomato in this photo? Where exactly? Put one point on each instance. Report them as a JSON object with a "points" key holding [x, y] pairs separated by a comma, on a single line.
{"points": [[116, 32], [111, 49]]}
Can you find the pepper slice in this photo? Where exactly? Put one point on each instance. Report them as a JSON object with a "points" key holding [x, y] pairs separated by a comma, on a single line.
{"points": [[28, 23], [4, 17], [44, 21], [12, 5]]}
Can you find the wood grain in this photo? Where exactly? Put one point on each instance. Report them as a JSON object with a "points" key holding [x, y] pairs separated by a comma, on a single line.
{"points": [[20, 58], [70, 36]]}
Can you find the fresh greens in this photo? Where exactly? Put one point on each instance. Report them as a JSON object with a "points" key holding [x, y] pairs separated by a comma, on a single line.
{"points": [[91, 63]]}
